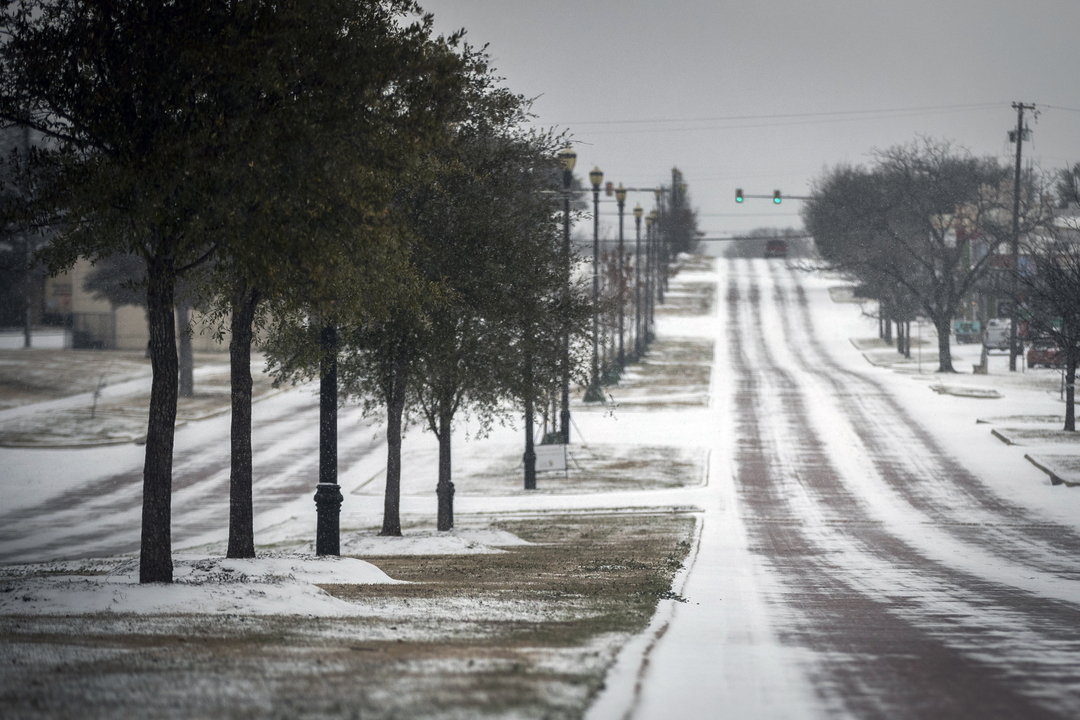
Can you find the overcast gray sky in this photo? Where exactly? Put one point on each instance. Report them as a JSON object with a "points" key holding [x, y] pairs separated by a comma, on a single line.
{"points": [[737, 94]]}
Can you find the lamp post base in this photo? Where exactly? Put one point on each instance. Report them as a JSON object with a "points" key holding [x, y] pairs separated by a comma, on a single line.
{"points": [[328, 501], [530, 469]]}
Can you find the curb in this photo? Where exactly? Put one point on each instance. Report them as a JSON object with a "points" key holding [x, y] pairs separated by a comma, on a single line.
{"points": [[623, 682], [1055, 479], [1002, 438]]}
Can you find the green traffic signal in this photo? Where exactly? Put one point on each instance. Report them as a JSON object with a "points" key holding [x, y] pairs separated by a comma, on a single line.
{"points": [[738, 195], [776, 196]]}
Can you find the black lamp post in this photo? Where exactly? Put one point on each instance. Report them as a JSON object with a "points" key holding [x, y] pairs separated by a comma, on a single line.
{"points": [[593, 394], [663, 220], [637, 281], [620, 197], [567, 158], [328, 497]]}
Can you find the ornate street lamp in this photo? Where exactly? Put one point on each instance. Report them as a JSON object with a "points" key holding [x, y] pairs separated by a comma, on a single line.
{"points": [[620, 197], [651, 230], [567, 159], [663, 220], [593, 394], [638, 212]]}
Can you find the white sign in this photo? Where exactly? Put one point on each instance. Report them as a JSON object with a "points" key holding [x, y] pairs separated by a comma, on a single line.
{"points": [[550, 457]]}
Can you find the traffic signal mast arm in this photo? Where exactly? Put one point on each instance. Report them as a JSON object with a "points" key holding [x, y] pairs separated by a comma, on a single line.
{"points": [[775, 197]]}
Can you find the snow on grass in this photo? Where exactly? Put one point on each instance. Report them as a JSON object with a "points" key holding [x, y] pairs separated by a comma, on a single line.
{"points": [[274, 584], [457, 541]]}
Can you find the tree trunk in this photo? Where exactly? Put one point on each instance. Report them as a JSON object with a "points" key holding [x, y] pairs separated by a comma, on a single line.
{"points": [[241, 516], [907, 339], [395, 408], [28, 315], [944, 325], [186, 362], [1070, 392], [888, 330], [445, 489], [155, 557], [900, 337]]}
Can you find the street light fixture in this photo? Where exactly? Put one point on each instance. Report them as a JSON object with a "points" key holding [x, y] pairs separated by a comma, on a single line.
{"points": [[620, 198], [567, 159], [593, 394], [638, 212]]}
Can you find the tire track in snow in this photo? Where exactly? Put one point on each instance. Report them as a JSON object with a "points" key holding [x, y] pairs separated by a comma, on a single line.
{"points": [[872, 658], [103, 516], [916, 466]]}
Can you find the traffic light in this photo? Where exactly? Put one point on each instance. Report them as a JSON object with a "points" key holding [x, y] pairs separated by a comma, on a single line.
{"points": [[776, 196], [738, 195]]}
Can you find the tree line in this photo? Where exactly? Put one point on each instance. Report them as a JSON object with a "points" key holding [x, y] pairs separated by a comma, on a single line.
{"points": [[327, 179], [928, 224]]}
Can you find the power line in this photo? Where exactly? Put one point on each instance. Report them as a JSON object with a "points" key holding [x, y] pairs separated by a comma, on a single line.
{"points": [[728, 118], [751, 126]]}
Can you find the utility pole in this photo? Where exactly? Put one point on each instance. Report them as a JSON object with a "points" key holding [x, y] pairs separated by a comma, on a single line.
{"points": [[1014, 349]]}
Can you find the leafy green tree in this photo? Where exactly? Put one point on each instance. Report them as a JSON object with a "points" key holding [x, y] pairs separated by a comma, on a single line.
{"points": [[375, 100], [122, 92], [495, 245], [677, 219], [185, 131]]}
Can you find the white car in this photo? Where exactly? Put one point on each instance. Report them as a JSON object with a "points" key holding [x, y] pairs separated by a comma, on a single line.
{"points": [[996, 334]]}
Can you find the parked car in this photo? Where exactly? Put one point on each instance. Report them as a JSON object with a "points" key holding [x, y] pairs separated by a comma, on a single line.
{"points": [[996, 334], [776, 249], [967, 331], [1045, 353]]}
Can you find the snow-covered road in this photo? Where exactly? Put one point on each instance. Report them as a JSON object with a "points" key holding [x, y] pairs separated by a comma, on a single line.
{"points": [[850, 564]]}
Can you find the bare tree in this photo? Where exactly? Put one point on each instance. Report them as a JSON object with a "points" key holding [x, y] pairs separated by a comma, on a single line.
{"points": [[918, 228]]}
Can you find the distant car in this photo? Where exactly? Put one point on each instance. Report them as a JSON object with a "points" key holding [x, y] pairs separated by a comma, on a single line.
{"points": [[996, 334], [967, 331], [776, 249], [1045, 353]]}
